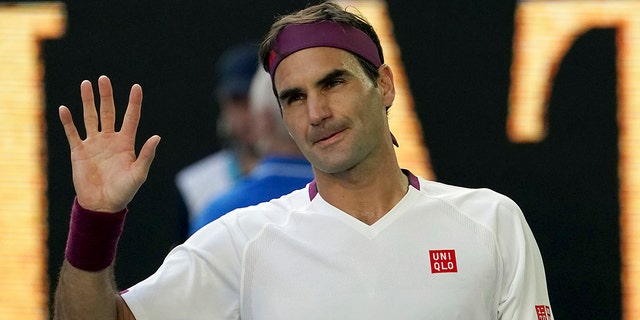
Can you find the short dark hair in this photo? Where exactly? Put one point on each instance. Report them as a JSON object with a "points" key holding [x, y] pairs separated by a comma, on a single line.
{"points": [[321, 12]]}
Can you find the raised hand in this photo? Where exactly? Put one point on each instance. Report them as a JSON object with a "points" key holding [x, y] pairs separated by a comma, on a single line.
{"points": [[106, 171]]}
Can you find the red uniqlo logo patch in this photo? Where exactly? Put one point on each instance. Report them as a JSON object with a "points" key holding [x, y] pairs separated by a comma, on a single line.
{"points": [[543, 312], [443, 261]]}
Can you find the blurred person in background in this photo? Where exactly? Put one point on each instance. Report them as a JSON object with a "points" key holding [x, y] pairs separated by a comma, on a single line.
{"points": [[282, 168], [203, 181]]}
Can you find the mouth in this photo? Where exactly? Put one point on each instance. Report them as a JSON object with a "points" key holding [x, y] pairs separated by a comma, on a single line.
{"points": [[326, 138]]}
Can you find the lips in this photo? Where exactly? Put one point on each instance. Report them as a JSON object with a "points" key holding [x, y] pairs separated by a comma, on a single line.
{"points": [[323, 134]]}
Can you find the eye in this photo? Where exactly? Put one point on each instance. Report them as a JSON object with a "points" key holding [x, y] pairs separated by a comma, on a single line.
{"points": [[334, 82], [293, 98]]}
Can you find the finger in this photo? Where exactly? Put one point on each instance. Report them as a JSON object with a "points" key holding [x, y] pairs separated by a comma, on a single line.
{"points": [[88, 108], [132, 115], [107, 108], [69, 127], [147, 154]]}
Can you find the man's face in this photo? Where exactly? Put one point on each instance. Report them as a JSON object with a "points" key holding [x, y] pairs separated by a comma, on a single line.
{"points": [[333, 111]]}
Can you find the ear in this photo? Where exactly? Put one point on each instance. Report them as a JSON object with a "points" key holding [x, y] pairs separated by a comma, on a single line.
{"points": [[386, 85]]}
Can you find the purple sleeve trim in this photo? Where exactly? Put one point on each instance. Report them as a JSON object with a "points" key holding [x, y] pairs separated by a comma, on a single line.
{"points": [[93, 238]]}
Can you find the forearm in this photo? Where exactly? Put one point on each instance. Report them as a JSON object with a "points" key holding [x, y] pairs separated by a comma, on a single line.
{"points": [[85, 295]]}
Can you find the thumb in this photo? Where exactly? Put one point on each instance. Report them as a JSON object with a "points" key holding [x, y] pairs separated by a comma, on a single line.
{"points": [[147, 154]]}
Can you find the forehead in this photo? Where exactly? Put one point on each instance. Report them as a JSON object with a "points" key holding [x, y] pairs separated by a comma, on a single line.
{"points": [[313, 63]]}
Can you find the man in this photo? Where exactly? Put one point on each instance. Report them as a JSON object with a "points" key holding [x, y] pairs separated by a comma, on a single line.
{"points": [[205, 180], [282, 168], [365, 240]]}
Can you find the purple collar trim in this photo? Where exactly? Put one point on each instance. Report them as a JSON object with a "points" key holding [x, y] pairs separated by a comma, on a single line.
{"points": [[313, 190]]}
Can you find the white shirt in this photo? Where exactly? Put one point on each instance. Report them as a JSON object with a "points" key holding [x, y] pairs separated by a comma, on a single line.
{"points": [[298, 257]]}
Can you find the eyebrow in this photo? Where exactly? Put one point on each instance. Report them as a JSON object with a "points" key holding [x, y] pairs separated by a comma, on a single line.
{"points": [[287, 93], [336, 73]]}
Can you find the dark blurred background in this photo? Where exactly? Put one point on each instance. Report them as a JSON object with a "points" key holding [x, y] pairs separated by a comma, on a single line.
{"points": [[457, 55]]}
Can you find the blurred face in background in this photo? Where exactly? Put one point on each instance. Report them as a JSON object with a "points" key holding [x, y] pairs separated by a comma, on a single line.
{"points": [[235, 121]]}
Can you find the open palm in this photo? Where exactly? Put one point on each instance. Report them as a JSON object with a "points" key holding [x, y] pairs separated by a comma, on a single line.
{"points": [[106, 171]]}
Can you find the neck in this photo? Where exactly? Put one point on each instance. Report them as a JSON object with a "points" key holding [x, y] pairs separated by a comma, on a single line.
{"points": [[367, 197]]}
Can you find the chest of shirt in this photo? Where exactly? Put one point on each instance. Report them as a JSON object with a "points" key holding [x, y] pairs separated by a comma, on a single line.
{"points": [[415, 267]]}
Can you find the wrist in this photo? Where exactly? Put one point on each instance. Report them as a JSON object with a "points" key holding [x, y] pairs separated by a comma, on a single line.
{"points": [[93, 237], [101, 209]]}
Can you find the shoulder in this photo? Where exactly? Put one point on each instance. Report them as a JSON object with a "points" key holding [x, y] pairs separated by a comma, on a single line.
{"points": [[274, 209], [482, 205], [464, 195]]}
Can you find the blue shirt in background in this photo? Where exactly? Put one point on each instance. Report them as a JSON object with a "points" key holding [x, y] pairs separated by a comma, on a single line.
{"points": [[272, 178]]}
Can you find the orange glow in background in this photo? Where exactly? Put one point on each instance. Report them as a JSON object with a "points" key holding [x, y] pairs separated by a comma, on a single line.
{"points": [[545, 30], [23, 280]]}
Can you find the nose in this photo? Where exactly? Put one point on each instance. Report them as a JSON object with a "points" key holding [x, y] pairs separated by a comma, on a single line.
{"points": [[318, 108]]}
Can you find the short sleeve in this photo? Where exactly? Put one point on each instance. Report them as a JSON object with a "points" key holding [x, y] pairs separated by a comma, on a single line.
{"points": [[197, 280], [524, 286]]}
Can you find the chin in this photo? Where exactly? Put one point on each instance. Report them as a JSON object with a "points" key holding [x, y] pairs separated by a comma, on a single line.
{"points": [[334, 168], [336, 162]]}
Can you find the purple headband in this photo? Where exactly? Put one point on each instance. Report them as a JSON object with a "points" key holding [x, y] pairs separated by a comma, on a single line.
{"points": [[296, 37]]}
